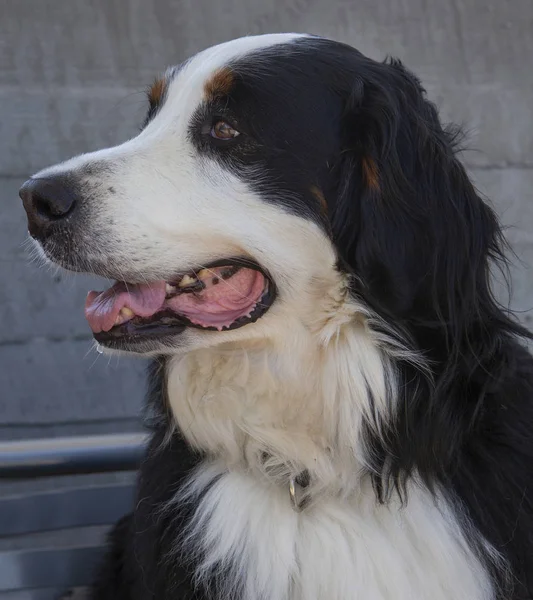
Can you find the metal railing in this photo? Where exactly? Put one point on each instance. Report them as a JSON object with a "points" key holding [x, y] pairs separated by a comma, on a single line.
{"points": [[28, 459]]}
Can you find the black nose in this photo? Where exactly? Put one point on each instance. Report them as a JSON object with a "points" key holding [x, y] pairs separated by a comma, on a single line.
{"points": [[47, 201]]}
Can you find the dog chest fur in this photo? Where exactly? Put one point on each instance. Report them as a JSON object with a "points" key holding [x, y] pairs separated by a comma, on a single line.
{"points": [[265, 412], [334, 550]]}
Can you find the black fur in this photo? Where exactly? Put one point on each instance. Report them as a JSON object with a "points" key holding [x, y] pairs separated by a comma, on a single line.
{"points": [[137, 566], [407, 221]]}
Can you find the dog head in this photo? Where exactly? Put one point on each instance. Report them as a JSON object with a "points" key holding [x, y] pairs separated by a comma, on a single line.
{"points": [[270, 171]]}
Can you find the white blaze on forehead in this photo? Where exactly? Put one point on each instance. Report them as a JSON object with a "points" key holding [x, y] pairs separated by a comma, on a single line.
{"points": [[186, 89], [218, 55]]}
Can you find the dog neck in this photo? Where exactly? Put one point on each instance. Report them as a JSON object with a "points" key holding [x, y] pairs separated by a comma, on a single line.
{"points": [[294, 402]]}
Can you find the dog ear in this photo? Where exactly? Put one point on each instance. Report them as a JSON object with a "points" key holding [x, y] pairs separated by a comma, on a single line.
{"points": [[407, 219], [410, 226]]}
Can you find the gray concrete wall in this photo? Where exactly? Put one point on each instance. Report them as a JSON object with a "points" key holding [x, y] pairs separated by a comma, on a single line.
{"points": [[71, 80]]}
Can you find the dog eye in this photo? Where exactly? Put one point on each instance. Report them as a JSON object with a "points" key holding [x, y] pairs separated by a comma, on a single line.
{"points": [[223, 131]]}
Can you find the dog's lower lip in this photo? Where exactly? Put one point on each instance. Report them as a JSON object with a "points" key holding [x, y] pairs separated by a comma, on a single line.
{"points": [[139, 331]]}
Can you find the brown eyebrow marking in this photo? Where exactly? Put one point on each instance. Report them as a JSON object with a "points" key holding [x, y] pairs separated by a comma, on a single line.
{"points": [[319, 195], [370, 173], [219, 84], [157, 91]]}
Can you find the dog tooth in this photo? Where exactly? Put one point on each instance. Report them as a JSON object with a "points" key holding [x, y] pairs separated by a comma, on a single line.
{"points": [[204, 274], [127, 312], [170, 289], [186, 280]]}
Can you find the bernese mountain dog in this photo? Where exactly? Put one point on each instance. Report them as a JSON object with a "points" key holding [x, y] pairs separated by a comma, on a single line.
{"points": [[339, 407]]}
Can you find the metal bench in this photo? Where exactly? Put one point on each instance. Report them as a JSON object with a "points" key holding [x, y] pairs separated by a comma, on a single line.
{"points": [[48, 573]]}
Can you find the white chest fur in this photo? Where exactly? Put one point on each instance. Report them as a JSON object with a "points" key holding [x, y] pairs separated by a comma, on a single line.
{"points": [[301, 400], [333, 550]]}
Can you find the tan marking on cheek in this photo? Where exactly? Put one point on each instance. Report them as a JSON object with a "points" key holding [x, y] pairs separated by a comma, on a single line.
{"points": [[370, 173], [219, 84], [319, 195], [156, 91]]}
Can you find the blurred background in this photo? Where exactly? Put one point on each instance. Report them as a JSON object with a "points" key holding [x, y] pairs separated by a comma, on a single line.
{"points": [[72, 75]]}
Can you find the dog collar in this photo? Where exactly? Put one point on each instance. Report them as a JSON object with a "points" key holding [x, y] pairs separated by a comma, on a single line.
{"points": [[298, 491]]}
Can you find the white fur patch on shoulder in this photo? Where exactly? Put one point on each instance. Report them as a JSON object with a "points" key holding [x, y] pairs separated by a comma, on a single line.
{"points": [[335, 550]]}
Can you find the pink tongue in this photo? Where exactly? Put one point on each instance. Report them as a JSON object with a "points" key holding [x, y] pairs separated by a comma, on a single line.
{"points": [[103, 308], [222, 301]]}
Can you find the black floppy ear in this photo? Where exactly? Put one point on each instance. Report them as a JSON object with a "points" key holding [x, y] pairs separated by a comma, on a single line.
{"points": [[407, 219]]}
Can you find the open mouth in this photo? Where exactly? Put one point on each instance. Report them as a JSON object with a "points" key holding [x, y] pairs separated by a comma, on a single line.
{"points": [[221, 296]]}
